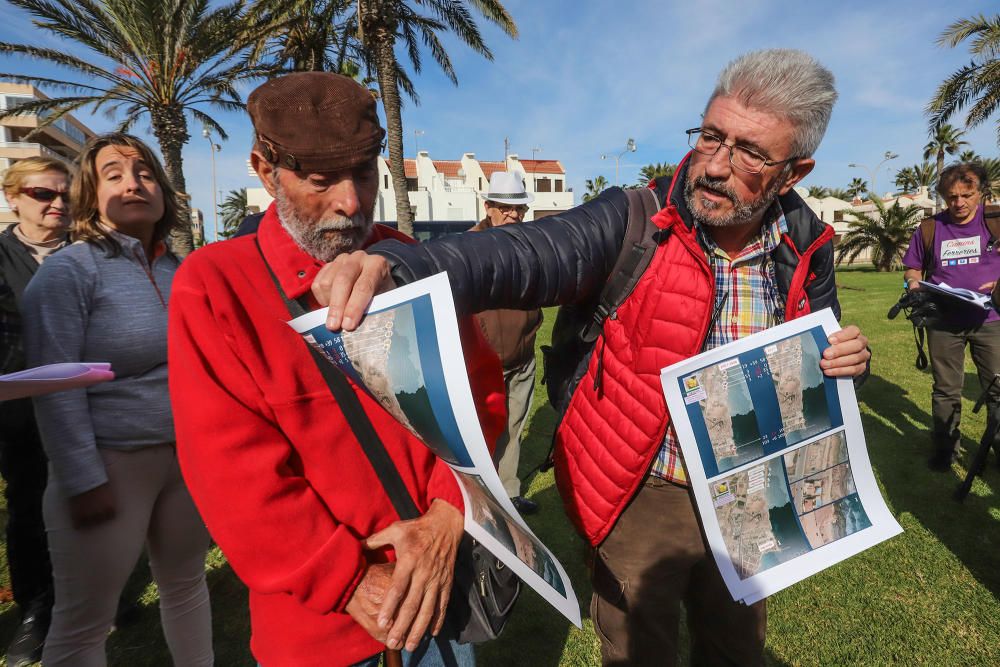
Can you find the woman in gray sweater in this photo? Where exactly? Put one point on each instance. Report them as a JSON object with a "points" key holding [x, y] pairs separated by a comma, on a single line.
{"points": [[114, 483]]}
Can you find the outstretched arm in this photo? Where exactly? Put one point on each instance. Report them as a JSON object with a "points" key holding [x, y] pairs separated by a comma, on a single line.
{"points": [[561, 259]]}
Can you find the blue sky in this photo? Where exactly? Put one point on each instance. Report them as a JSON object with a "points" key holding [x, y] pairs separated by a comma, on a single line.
{"points": [[584, 77]]}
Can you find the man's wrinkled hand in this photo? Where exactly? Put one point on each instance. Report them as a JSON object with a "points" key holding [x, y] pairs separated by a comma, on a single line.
{"points": [[848, 353], [421, 581], [347, 285], [366, 603]]}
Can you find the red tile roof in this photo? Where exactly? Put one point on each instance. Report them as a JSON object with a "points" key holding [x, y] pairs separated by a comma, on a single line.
{"points": [[409, 166], [490, 167], [448, 168], [543, 166]]}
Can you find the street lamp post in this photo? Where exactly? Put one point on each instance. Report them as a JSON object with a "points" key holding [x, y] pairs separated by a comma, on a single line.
{"points": [[630, 147], [888, 155], [205, 132], [534, 172]]}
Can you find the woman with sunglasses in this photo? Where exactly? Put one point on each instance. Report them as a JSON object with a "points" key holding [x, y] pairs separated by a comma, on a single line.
{"points": [[36, 192], [114, 483]]}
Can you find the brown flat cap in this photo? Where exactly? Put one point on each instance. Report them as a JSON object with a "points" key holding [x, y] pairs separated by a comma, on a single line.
{"points": [[315, 121]]}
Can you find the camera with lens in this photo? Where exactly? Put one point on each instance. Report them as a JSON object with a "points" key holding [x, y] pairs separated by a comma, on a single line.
{"points": [[920, 307]]}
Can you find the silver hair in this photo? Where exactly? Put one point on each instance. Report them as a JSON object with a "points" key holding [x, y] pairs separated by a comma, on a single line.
{"points": [[787, 83]]}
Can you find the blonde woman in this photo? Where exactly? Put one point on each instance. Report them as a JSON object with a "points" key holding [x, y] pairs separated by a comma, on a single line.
{"points": [[114, 483], [37, 192]]}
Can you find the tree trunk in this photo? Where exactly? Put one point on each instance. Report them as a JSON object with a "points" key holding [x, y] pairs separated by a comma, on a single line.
{"points": [[940, 167], [382, 40], [170, 128]]}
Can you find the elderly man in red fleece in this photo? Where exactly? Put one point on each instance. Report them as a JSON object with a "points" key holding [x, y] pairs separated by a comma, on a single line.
{"points": [[276, 471]]}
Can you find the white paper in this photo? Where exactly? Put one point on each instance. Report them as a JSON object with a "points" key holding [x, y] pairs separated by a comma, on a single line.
{"points": [[407, 353], [967, 296], [53, 377], [776, 457]]}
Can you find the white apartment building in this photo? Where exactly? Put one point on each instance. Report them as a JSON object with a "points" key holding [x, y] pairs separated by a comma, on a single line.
{"points": [[62, 140], [835, 211], [449, 190]]}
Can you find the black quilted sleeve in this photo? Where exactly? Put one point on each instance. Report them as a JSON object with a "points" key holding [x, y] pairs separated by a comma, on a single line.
{"points": [[564, 258]]}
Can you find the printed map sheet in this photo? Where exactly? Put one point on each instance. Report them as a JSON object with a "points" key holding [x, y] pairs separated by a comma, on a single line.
{"points": [[407, 354], [776, 457]]}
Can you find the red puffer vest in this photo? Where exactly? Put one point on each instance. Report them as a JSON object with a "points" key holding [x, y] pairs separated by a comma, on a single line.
{"points": [[608, 438]]}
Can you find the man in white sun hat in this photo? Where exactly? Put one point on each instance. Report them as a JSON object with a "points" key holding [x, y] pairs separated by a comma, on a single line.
{"points": [[511, 333]]}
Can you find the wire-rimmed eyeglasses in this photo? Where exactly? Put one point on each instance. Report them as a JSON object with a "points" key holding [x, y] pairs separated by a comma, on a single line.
{"points": [[742, 158]]}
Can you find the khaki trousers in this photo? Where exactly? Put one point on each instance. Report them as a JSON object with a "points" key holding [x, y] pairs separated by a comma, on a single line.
{"points": [[947, 349], [520, 385], [90, 566], [654, 560]]}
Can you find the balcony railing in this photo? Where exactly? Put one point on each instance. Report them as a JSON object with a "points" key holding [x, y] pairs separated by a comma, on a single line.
{"points": [[41, 148]]}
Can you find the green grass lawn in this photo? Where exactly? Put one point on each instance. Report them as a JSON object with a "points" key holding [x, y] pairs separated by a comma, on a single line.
{"points": [[928, 596]]}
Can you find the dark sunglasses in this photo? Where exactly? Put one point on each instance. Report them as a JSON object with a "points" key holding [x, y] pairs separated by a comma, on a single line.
{"points": [[45, 194]]}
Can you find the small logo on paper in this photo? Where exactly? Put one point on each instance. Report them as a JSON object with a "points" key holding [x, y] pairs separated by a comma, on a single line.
{"points": [[693, 391], [973, 260], [952, 262], [963, 261]]}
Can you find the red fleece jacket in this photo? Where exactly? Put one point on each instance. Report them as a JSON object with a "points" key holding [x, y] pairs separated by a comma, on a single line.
{"points": [[276, 472]]}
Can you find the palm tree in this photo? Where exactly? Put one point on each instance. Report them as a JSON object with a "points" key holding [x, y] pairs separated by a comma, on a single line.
{"points": [[839, 193], [655, 170], [233, 209], [818, 191], [595, 187], [992, 167], [384, 22], [164, 58], [885, 235], [906, 179], [857, 187], [969, 156], [944, 138], [304, 35], [976, 86]]}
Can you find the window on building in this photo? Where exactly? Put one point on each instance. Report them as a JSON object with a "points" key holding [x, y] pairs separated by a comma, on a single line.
{"points": [[838, 216], [480, 183], [559, 185], [411, 185], [543, 185], [386, 181]]}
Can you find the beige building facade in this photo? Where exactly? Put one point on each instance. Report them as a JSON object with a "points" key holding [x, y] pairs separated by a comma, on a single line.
{"points": [[62, 140]]}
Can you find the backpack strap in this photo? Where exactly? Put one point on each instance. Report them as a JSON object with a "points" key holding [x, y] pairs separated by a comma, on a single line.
{"points": [[638, 248], [636, 253], [927, 226]]}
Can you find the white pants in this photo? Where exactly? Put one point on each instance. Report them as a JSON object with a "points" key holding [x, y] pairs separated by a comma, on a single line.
{"points": [[90, 566]]}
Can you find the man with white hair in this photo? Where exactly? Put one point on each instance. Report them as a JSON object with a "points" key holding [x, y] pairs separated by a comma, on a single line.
{"points": [[737, 252], [511, 334]]}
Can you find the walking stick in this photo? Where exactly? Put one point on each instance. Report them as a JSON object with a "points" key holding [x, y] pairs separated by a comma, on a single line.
{"points": [[992, 428], [393, 658]]}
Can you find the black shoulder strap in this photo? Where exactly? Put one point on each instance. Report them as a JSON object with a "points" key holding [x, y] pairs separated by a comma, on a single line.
{"points": [[354, 414], [636, 253]]}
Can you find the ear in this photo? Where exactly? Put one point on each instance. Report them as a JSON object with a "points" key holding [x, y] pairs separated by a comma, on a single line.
{"points": [[800, 169], [265, 171], [11, 202]]}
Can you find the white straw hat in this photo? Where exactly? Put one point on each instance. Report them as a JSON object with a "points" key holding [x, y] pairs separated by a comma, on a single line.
{"points": [[507, 188]]}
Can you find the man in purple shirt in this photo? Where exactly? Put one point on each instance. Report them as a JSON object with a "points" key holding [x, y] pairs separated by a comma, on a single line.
{"points": [[962, 254]]}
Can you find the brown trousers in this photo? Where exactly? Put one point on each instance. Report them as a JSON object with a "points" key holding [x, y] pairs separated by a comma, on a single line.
{"points": [[654, 559]]}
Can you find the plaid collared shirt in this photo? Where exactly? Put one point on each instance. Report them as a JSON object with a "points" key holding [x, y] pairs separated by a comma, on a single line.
{"points": [[746, 301]]}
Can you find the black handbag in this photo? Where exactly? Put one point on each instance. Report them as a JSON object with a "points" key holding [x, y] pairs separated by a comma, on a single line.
{"points": [[484, 589]]}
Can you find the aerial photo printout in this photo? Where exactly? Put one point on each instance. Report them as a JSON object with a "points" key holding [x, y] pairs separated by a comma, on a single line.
{"points": [[407, 355], [776, 456]]}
